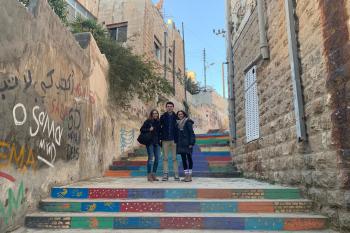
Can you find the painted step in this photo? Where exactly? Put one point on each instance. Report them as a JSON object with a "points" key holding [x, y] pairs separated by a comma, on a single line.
{"points": [[213, 142], [212, 135], [213, 145], [130, 174], [214, 153], [213, 148], [129, 163], [183, 206], [270, 222], [176, 193]]}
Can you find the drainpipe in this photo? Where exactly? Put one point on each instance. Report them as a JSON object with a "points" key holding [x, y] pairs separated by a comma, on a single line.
{"points": [[230, 73], [264, 46], [294, 64]]}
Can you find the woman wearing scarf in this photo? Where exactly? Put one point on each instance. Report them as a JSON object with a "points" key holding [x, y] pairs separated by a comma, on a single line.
{"points": [[185, 140]]}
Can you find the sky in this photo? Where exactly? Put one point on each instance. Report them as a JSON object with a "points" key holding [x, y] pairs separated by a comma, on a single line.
{"points": [[200, 17]]}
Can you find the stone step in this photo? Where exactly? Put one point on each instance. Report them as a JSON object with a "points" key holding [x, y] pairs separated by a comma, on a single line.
{"points": [[176, 193], [130, 163], [213, 142], [233, 221], [143, 173], [198, 166], [183, 205], [213, 149], [212, 135]]}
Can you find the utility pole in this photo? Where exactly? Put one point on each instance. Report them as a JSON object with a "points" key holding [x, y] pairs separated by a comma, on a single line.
{"points": [[223, 78], [174, 67], [165, 52], [184, 54], [205, 70]]}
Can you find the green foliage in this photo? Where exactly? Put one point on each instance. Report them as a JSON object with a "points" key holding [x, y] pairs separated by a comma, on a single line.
{"points": [[58, 6], [193, 87], [129, 74]]}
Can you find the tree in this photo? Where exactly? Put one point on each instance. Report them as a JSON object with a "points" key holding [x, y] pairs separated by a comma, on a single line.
{"points": [[193, 87], [129, 75], [58, 6]]}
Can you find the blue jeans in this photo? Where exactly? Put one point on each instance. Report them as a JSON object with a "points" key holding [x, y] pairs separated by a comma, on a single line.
{"points": [[153, 150]]}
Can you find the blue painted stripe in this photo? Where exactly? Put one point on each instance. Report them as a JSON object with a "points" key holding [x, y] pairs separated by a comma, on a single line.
{"points": [[146, 193], [223, 223], [216, 153], [69, 192], [182, 207], [270, 224], [100, 207], [180, 193], [218, 207], [137, 223]]}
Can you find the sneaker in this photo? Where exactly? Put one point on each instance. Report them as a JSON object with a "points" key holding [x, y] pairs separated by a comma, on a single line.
{"points": [[176, 178], [165, 177]]}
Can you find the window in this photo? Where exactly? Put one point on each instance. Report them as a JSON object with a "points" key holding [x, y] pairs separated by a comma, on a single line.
{"points": [[119, 32], [75, 9], [157, 49], [251, 106]]}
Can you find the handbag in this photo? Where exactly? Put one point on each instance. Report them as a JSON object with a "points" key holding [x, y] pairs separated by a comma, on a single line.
{"points": [[145, 138]]}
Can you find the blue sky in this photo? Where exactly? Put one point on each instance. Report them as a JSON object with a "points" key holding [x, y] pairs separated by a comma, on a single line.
{"points": [[200, 17]]}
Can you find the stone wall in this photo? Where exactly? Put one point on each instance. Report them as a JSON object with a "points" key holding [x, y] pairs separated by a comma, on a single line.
{"points": [[320, 165], [54, 121]]}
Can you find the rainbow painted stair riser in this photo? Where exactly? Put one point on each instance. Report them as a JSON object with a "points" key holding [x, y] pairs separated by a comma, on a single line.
{"points": [[182, 207], [232, 223], [98, 193]]}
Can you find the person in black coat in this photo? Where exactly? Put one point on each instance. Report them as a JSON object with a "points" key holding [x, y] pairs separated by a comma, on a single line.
{"points": [[185, 140], [152, 124]]}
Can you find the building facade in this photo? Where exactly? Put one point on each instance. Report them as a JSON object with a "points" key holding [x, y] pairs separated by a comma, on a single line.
{"points": [[140, 25], [87, 9], [289, 97]]}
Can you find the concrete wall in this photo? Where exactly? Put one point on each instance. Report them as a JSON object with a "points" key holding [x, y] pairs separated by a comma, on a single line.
{"points": [[320, 166], [55, 126], [209, 111]]}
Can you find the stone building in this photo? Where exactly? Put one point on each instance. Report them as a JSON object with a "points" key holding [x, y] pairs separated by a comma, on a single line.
{"points": [[140, 25], [289, 97], [82, 8]]}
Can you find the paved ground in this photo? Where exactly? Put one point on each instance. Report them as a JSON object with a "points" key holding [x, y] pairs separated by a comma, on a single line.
{"points": [[23, 230], [140, 182]]}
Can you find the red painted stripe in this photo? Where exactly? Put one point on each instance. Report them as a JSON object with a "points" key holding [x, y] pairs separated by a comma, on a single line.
{"points": [[7, 176], [219, 158]]}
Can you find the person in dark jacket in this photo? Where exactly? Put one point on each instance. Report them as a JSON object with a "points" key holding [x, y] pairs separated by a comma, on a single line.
{"points": [[168, 130], [152, 124], [185, 140]]}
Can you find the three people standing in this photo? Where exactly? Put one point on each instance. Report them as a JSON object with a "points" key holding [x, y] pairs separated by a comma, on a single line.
{"points": [[174, 132]]}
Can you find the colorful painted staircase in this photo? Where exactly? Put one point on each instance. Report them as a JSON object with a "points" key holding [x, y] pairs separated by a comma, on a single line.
{"points": [[206, 203], [211, 158]]}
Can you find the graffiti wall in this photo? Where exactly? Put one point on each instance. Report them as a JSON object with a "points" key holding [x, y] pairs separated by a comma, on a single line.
{"points": [[55, 126]]}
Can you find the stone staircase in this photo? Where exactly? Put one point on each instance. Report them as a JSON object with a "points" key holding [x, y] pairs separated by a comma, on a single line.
{"points": [[211, 158], [206, 203], [124, 200]]}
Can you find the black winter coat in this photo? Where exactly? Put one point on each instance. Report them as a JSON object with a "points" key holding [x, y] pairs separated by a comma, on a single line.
{"points": [[185, 138], [168, 126], [156, 131]]}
